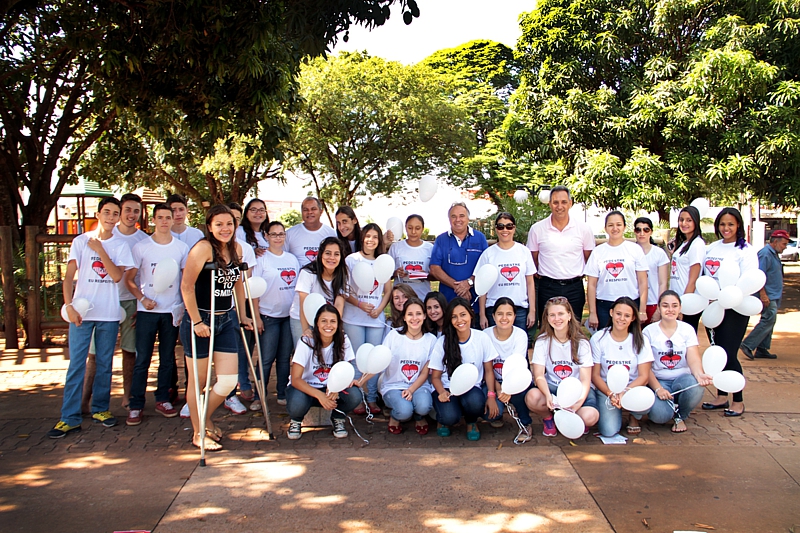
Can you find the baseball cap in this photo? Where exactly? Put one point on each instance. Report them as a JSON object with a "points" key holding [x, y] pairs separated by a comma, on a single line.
{"points": [[780, 234]]}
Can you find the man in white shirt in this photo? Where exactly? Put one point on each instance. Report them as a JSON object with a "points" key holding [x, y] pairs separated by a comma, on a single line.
{"points": [[303, 240], [184, 233], [560, 246]]}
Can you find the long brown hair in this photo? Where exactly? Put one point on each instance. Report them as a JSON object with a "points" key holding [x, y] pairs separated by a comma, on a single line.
{"points": [[452, 348], [396, 315], [218, 247], [574, 331], [249, 230], [315, 342], [634, 328]]}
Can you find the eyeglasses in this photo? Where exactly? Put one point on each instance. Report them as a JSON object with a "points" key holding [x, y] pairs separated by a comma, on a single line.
{"points": [[642, 230], [502, 227], [277, 235], [260, 210]]}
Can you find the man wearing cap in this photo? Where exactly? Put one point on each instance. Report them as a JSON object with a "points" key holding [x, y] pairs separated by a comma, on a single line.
{"points": [[756, 345]]}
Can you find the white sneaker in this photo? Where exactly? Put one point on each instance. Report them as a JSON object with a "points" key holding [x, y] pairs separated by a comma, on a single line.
{"points": [[185, 411], [295, 430], [256, 405], [339, 429], [235, 405]]}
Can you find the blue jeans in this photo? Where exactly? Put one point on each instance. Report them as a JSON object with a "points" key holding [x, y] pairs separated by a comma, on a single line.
{"points": [[662, 412], [610, 417], [148, 325], [420, 404], [79, 339], [470, 405], [359, 335], [298, 402], [276, 347], [501, 407], [244, 366], [760, 338]]}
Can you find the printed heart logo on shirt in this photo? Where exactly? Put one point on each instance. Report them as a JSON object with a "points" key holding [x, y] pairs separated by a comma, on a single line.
{"points": [[413, 268], [409, 370], [374, 287], [562, 371], [615, 269], [322, 374], [712, 266], [288, 276], [509, 272], [670, 361], [498, 368], [100, 269], [311, 255], [674, 267]]}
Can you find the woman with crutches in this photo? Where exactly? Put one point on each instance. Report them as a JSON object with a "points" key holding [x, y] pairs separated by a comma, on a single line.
{"points": [[208, 331]]}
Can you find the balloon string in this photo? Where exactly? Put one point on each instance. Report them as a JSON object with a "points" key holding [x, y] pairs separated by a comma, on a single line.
{"points": [[352, 425], [685, 389], [711, 336], [522, 428], [370, 416]]}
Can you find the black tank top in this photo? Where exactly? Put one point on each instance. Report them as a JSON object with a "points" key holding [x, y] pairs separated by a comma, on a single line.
{"points": [[226, 277]]}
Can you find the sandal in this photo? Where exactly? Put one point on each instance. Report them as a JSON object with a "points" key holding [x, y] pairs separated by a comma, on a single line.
{"points": [[360, 410], [395, 430], [214, 434], [473, 433], [678, 425], [210, 445], [633, 430], [247, 395], [422, 429], [376, 410]]}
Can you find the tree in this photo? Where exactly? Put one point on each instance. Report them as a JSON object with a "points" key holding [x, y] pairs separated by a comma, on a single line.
{"points": [[650, 103], [367, 125]]}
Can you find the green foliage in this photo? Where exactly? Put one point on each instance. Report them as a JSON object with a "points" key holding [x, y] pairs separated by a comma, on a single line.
{"points": [[291, 218]]}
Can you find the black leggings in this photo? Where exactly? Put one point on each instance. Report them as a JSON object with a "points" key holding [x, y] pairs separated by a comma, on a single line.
{"points": [[692, 320], [729, 335]]}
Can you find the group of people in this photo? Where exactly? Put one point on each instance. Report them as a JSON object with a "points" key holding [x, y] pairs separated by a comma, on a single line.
{"points": [[633, 293]]}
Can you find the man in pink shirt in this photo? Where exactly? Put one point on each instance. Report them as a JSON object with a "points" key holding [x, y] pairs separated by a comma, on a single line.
{"points": [[560, 248]]}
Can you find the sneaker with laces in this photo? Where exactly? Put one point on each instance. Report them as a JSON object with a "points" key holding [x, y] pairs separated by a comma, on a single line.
{"points": [[295, 429], [105, 418], [62, 429], [166, 409], [339, 429], [235, 405], [525, 438], [134, 417], [549, 429], [185, 411], [256, 405]]}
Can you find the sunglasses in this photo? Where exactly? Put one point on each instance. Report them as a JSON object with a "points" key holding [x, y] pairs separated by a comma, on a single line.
{"points": [[642, 230], [502, 227]]}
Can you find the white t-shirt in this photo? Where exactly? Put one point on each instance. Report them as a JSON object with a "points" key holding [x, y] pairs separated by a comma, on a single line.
{"points": [[146, 256], [607, 352], [477, 350], [260, 239], [280, 273], [93, 281], [669, 362], [248, 254], [654, 259], [681, 264], [190, 236], [615, 268], [304, 244], [315, 374], [408, 358], [558, 363], [131, 240], [514, 264], [560, 251], [352, 314], [413, 259], [717, 252], [516, 343], [307, 283]]}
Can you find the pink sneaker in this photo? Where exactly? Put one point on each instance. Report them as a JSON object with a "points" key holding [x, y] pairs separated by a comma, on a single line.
{"points": [[549, 427]]}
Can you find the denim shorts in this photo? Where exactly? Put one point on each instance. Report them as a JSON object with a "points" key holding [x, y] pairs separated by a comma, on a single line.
{"points": [[590, 401], [226, 336]]}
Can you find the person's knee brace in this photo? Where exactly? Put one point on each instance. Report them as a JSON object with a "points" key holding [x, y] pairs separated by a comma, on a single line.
{"points": [[225, 384]]}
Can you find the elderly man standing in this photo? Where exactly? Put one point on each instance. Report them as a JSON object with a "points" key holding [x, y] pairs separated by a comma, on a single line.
{"points": [[758, 342], [560, 248], [302, 240], [455, 254]]}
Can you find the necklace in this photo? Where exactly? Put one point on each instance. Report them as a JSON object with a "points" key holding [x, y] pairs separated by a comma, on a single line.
{"points": [[414, 336]]}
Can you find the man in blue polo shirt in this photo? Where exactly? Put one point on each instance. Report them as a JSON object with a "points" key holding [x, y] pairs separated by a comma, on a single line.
{"points": [[455, 254]]}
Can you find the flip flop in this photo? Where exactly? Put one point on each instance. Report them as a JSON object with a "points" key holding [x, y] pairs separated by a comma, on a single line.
{"points": [[633, 430], [675, 428], [214, 434], [210, 445]]}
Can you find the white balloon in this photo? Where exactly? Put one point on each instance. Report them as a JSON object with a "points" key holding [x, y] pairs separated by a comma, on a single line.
{"points": [[122, 314], [750, 306], [364, 276], [517, 382], [64, 314], [702, 206], [714, 360], [728, 274], [463, 379], [729, 381], [618, 378], [362, 357], [569, 424], [730, 297], [707, 287], [383, 268], [395, 225], [311, 305], [258, 286], [752, 281], [521, 196], [638, 399], [427, 188], [692, 303], [569, 391], [544, 196], [515, 361], [485, 278], [713, 315], [81, 305], [164, 274], [340, 376], [379, 358]]}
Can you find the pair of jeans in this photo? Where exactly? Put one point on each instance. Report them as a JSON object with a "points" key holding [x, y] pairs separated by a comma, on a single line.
{"points": [[298, 402], [79, 339], [148, 325], [296, 327], [243, 365], [686, 401], [276, 347], [573, 291], [520, 320], [420, 404], [470, 405], [760, 338], [359, 335], [729, 335], [604, 308], [610, 417], [501, 407]]}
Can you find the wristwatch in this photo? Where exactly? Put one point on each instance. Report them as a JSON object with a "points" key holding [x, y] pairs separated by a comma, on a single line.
{"points": [[471, 283]]}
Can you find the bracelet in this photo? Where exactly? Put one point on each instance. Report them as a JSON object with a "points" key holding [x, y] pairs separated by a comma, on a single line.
{"points": [[69, 305], [658, 389], [491, 394], [197, 323]]}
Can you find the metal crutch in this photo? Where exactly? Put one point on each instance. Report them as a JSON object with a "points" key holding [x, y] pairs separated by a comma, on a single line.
{"points": [[202, 399]]}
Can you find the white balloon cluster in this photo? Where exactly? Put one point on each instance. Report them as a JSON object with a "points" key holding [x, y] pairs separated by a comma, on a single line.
{"points": [[733, 291], [714, 361], [516, 374], [365, 275]]}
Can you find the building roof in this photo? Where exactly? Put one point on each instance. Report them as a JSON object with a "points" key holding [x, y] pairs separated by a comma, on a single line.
{"points": [[85, 188]]}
